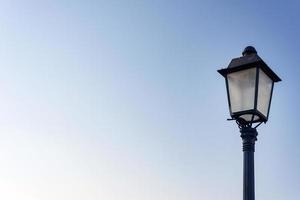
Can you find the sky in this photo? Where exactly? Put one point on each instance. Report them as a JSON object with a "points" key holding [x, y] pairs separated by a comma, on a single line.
{"points": [[121, 100]]}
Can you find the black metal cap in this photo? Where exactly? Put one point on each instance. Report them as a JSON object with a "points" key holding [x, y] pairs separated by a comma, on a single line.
{"points": [[248, 60], [249, 50]]}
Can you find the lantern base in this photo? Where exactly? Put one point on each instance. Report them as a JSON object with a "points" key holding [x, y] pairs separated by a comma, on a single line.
{"points": [[248, 117]]}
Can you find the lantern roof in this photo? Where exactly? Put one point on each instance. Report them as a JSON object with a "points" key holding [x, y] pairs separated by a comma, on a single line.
{"points": [[248, 60]]}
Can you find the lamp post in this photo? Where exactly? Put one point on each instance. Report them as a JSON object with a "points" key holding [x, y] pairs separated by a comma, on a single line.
{"points": [[249, 84]]}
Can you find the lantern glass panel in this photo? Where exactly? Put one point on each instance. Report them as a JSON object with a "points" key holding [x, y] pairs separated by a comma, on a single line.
{"points": [[249, 117], [264, 93], [241, 88]]}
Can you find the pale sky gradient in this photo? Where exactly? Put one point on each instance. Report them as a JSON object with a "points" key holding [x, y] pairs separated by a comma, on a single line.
{"points": [[121, 100]]}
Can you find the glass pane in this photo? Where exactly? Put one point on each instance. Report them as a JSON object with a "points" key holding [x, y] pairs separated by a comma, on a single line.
{"points": [[242, 89], [264, 93], [248, 117]]}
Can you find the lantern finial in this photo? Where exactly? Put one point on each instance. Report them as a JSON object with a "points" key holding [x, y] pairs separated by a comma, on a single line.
{"points": [[249, 50]]}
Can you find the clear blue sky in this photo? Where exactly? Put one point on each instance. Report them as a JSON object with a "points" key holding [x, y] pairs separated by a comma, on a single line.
{"points": [[121, 100]]}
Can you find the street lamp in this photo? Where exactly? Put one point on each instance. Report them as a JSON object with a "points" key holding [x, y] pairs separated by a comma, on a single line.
{"points": [[249, 84]]}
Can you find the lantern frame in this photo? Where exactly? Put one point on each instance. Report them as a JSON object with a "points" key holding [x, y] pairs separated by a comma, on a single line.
{"points": [[249, 60]]}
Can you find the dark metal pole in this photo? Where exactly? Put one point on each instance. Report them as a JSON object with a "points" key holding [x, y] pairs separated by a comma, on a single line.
{"points": [[249, 136]]}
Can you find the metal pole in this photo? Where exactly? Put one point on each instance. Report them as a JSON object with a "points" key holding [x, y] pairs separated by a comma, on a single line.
{"points": [[249, 136]]}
